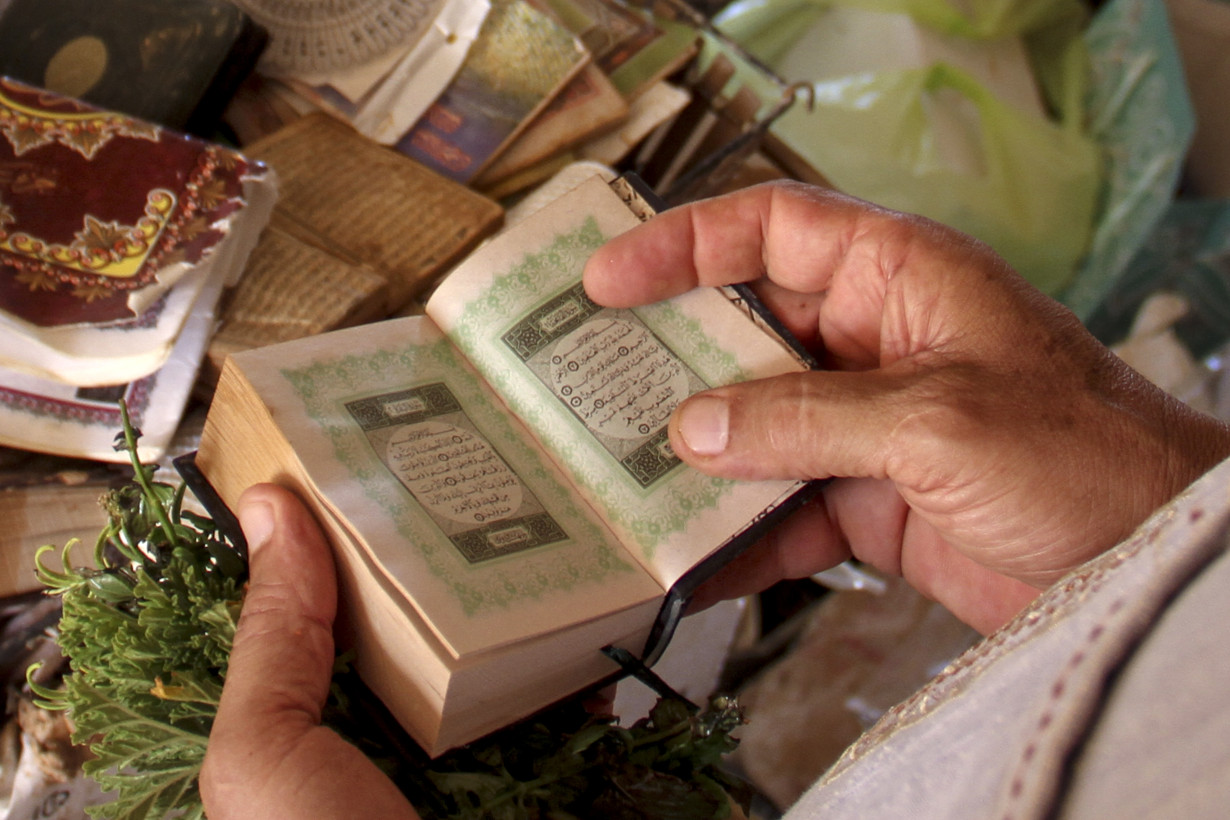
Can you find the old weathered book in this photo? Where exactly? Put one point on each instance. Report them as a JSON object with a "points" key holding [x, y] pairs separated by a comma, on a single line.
{"points": [[45, 514], [291, 289], [588, 106], [369, 206], [523, 58], [48, 500], [495, 476], [649, 112], [50, 416], [632, 44], [631, 48], [113, 232]]}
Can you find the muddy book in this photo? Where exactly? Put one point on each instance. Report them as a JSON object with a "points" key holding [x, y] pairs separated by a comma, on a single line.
{"points": [[495, 476]]}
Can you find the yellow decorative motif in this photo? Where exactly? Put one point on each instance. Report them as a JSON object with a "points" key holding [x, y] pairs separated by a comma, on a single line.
{"points": [[85, 132], [102, 238], [91, 293], [193, 228], [103, 248], [212, 193], [36, 280]]}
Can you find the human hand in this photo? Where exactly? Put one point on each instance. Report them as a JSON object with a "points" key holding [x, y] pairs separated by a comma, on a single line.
{"points": [[268, 755], [986, 443]]}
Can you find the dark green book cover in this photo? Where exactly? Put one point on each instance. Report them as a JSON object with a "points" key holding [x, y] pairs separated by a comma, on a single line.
{"points": [[173, 63]]}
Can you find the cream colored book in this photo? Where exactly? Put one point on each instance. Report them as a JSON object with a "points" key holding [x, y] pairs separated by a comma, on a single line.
{"points": [[495, 475]]}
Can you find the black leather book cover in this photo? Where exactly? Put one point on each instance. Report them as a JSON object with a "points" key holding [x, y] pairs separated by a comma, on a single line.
{"points": [[173, 63]]}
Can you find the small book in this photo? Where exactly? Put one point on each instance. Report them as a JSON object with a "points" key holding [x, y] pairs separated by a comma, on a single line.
{"points": [[650, 113], [37, 515], [634, 45], [385, 94], [50, 416], [47, 499], [495, 476]]}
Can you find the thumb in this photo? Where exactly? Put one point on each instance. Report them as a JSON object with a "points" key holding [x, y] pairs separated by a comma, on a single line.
{"points": [[288, 611], [281, 662], [798, 425]]}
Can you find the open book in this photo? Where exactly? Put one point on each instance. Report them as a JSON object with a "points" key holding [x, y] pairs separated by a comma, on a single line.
{"points": [[495, 476]]}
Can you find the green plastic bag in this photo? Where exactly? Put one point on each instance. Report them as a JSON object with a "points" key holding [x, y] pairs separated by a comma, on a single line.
{"points": [[1026, 184]]}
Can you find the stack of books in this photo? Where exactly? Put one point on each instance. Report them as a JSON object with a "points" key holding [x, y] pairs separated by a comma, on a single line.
{"points": [[495, 95], [117, 238]]}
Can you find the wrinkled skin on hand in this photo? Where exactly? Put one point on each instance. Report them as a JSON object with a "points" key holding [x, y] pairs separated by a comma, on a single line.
{"points": [[268, 755], [984, 442]]}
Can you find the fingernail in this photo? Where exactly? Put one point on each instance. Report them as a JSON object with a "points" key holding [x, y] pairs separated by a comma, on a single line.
{"points": [[256, 519], [704, 423]]}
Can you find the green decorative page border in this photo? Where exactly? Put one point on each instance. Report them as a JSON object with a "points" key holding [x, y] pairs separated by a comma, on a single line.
{"points": [[538, 277], [325, 387]]}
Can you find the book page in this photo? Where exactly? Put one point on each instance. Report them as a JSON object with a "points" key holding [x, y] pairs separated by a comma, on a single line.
{"points": [[598, 385], [442, 486]]}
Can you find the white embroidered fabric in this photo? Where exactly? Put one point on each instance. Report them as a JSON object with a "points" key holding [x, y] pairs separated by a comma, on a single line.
{"points": [[314, 36]]}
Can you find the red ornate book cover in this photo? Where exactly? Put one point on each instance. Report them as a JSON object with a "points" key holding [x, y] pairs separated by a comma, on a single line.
{"points": [[100, 213]]}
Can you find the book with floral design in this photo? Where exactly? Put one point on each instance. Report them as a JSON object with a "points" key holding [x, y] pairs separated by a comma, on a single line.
{"points": [[49, 416], [111, 229], [495, 476]]}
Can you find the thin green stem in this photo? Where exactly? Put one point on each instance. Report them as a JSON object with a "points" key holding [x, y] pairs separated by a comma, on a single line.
{"points": [[142, 477]]}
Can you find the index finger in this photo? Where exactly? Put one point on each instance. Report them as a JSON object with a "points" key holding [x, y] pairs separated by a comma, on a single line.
{"points": [[795, 234]]}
